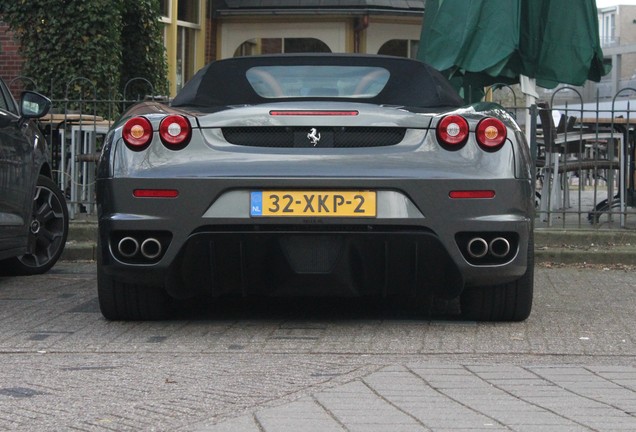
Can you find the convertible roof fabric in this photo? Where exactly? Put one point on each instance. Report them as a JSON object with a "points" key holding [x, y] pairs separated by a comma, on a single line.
{"points": [[411, 83]]}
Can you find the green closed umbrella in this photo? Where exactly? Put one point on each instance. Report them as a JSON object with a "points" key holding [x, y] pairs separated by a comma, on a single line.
{"points": [[477, 43]]}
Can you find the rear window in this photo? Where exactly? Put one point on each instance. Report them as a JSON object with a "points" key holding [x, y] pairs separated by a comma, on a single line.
{"points": [[273, 82]]}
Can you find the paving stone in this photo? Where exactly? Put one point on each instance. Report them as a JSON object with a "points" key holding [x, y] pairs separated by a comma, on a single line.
{"points": [[234, 368]]}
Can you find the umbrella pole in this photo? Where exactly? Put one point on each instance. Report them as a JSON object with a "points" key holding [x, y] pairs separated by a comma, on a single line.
{"points": [[530, 100], [529, 89]]}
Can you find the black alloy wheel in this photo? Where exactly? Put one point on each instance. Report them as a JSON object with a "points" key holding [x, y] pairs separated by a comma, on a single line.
{"points": [[47, 232]]}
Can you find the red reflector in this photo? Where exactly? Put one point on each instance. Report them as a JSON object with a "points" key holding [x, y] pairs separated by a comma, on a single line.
{"points": [[313, 113], [155, 193], [468, 194]]}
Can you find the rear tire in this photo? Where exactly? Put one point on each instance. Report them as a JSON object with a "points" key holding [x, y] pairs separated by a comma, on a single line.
{"points": [[505, 302], [130, 301]]}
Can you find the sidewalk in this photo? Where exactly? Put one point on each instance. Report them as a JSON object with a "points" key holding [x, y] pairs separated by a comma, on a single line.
{"points": [[283, 365]]}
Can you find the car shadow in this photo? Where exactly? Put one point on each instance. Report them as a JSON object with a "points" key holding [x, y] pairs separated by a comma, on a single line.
{"points": [[318, 309]]}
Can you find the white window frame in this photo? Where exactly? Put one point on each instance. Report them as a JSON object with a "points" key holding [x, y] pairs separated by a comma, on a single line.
{"points": [[197, 25], [167, 19]]}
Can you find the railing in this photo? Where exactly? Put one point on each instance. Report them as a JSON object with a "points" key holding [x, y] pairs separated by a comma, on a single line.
{"points": [[75, 129], [583, 157], [583, 153]]}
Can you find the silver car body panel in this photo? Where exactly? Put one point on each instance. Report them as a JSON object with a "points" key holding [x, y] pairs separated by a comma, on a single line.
{"points": [[413, 180]]}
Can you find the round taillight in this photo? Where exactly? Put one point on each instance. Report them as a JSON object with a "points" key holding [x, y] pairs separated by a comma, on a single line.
{"points": [[175, 131], [137, 133], [452, 131], [491, 134]]}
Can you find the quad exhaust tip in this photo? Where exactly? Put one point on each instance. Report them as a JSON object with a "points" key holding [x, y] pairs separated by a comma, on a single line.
{"points": [[499, 247], [151, 248], [129, 247], [477, 247]]}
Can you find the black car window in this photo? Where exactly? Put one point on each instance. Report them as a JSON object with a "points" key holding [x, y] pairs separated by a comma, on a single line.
{"points": [[6, 100]]}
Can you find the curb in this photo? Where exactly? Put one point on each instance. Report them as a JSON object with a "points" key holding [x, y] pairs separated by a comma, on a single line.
{"points": [[568, 256], [79, 251], [551, 246], [585, 247]]}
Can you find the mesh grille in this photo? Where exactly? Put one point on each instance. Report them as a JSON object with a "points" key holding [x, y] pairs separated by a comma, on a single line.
{"points": [[340, 137]]}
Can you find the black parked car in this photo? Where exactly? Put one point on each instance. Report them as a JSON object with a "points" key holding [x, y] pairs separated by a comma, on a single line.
{"points": [[33, 213]]}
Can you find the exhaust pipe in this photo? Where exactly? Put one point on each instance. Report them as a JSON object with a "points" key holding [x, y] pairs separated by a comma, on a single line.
{"points": [[151, 248], [128, 247], [499, 247], [477, 247]]}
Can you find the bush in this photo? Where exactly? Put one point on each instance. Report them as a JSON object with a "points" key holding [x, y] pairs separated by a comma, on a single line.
{"points": [[143, 53], [78, 50]]}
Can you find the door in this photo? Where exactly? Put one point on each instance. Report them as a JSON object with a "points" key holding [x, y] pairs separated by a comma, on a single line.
{"points": [[16, 172]]}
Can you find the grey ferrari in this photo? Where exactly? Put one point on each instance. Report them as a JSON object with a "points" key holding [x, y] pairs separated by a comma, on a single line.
{"points": [[316, 175]]}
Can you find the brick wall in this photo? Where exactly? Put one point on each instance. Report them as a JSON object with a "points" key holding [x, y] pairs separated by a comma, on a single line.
{"points": [[210, 40], [10, 59]]}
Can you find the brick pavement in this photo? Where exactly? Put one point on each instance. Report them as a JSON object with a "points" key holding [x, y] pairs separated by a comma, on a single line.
{"points": [[453, 397], [318, 365]]}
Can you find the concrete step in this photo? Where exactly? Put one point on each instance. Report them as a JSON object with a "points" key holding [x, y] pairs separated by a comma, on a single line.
{"points": [[551, 246], [79, 251], [607, 247]]}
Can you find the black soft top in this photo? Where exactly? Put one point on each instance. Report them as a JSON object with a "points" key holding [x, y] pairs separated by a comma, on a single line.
{"points": [[411, 82]]}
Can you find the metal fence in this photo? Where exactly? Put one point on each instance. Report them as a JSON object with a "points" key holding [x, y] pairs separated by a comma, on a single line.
{"points": [[75, 129], [583, 152]]}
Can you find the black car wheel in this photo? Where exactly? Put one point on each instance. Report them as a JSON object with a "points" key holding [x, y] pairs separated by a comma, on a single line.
{"points": [[47, 233], [506, 302], [129, 301]]}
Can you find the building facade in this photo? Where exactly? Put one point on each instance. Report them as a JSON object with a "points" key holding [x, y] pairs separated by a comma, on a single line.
{"points": [[185, 27], [617, 30], [199, 31]]}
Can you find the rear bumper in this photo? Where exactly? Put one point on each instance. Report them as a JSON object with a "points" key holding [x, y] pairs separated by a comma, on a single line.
{"points": [[210, 244]]}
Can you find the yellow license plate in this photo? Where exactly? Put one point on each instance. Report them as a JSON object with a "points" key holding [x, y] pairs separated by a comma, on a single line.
{"points": [[313, 203]]}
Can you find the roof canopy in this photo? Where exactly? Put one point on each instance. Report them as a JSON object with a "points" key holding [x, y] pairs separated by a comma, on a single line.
{"points": [[242, 7]]}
